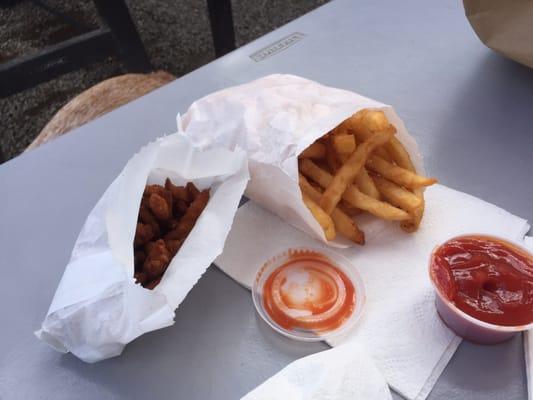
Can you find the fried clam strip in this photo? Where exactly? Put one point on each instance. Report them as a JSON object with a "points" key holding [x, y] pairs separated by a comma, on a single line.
{"points": [[178, 192], [350, 169], [157, 259], [160, 191], [398, 175], [316, 150], [320, 215], [352, 195], [164, 211], [363, 124], [345, 225], [146, 216], [188, 220], [193, 190], [160, 207]]}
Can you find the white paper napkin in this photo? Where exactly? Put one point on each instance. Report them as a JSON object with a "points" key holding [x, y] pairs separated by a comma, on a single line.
{"points": [[336, 374], [400, 328]]}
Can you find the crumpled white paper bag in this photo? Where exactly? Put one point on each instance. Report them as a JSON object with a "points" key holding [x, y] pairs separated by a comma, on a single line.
{"points": [[275, 118], [98, 308], [341, 373]]}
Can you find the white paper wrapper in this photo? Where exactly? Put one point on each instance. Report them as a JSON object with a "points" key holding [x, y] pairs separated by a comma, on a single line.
{"points": [[336, 374], [275, 118], [98, 308]]}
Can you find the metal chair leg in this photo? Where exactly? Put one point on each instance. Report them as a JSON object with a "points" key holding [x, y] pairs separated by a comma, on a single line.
{"points": [[116, 16], [221, 20]]}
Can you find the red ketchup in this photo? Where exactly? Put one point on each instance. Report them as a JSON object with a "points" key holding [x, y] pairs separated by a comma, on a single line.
{"points": [[487, 278], [309, 292]]}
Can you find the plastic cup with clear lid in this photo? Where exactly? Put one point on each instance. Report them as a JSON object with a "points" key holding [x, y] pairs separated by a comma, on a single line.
{"points": [[309, 294]]}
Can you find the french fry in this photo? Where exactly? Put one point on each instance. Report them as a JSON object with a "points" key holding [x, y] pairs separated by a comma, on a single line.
{"points": [[397, 195], [348, 209], [316, 150], [343, 144], [308, 189], [412, 224], [375, 207], [363, 124], [320, 215], [345, 225], [367, 122], [350, 169], [400, 155], [348, 187], [365, 184], [339, 130], [382, 152], [397, 174], [352, 195], [402, 158], [332, 160]]}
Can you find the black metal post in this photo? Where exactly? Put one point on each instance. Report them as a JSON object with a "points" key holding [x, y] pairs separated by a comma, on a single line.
{"points": [[221, 19], [116, 16]]}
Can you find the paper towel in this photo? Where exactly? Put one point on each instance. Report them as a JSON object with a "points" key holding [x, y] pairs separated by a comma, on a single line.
{"points": [[400, 327], [336, 374], [98, 308]]}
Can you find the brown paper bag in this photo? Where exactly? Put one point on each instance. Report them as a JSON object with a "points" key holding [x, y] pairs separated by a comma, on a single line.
{"points": [[506, 26]]}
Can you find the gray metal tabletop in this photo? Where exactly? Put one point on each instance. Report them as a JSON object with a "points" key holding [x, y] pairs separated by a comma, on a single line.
{"points": [[469, 109]]}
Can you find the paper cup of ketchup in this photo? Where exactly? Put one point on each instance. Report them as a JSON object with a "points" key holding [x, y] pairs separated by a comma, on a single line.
{"points": [[308, 294], [484, 287]]}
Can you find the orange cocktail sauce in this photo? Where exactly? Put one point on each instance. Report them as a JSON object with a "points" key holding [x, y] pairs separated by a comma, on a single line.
{"points": [[487, 278], [309, 292]]}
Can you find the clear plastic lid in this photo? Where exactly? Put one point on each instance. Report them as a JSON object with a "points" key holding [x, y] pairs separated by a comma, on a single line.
{"points": [[309, 294]]}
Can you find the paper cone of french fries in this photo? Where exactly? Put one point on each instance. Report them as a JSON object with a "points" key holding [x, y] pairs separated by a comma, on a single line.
{"points": [[275, 118], [98, 308]]}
